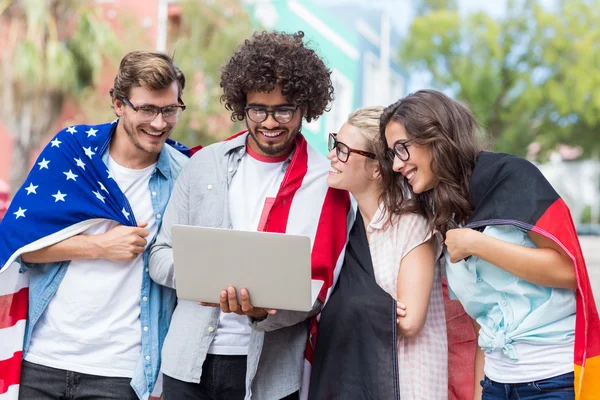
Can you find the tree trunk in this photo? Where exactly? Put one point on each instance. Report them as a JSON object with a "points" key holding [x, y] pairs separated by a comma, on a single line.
{"points": [[19, 168], [36, 119]]}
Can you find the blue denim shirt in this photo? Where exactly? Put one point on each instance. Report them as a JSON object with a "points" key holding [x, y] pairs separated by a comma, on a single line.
{"points": [[156, 302]]}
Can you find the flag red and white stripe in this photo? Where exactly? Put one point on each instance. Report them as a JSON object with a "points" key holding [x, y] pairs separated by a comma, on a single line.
{"points": [[14, 294], [303, 192]]}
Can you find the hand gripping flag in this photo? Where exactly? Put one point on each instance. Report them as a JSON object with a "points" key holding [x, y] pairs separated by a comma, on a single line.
{"points": [[507, 190], [68, 190]]}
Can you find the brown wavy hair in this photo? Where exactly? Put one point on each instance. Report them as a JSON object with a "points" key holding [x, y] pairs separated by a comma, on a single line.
{"points": [[268, 59], [150, 70], [451, 131]]}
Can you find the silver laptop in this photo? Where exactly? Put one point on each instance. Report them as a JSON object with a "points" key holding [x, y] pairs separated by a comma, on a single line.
{"points": [[274, 267]]}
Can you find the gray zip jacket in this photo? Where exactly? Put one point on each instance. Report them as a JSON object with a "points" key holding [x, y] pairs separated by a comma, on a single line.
{"points": [[277, 342]]}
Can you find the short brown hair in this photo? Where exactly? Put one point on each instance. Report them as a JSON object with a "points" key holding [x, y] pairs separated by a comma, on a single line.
{"points": [[152, 71]]}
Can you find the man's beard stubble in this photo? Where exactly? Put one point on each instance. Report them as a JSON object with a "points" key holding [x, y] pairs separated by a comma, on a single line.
{"points": [[274, 150]]}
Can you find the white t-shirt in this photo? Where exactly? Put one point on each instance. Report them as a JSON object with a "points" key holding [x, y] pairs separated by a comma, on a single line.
{"points": [[251, 194], [92, 324], [535, 363]]}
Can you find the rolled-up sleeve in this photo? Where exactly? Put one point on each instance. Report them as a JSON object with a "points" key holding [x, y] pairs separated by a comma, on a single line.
{"points": [[283, 318]]}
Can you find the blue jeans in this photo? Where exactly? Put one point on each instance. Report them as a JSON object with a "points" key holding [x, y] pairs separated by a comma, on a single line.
{"points": [[44, 383], [557, 388]]}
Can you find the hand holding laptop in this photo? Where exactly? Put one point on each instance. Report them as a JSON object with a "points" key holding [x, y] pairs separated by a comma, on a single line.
{"points": [[229, 303]]}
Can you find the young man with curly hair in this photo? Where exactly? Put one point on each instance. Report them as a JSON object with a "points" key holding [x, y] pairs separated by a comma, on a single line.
{"points": [[266, 179]]}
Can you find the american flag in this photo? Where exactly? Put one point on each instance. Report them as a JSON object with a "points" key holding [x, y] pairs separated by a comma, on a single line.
{"points": [[68, 190]]}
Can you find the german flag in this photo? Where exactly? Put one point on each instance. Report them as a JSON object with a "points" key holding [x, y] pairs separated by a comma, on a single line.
{"points": [[508, 190]]}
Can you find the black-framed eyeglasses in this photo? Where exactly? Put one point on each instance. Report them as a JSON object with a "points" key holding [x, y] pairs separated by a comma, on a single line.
{"points": [[342, 151], [399, 149], [283, 115], [149, 113]]}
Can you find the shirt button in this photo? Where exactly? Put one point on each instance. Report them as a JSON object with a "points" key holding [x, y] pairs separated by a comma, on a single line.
{"points": [[211, 329], [153, 193], [145, 298], [147, 358], [230, 169], [147, 269], [158, 216], [145, 329], [503, 303], [209, 187]]}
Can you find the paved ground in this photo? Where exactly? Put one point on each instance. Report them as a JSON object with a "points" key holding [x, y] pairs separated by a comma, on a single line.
{"points": [[591, 251]]}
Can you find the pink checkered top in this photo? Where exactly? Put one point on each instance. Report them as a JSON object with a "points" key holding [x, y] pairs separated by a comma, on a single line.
{"points": [[422, 360]]}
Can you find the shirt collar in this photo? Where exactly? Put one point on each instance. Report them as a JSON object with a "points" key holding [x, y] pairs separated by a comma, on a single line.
{"points": [[379, 219], [163, 165]]}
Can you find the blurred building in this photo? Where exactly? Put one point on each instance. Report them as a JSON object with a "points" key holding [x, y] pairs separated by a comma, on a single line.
{"points": [[578, 183], [358, 44], [153, 17]]}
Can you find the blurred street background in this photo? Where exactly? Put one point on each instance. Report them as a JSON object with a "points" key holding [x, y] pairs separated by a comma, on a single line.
{"points": [[591, 250], [528, 69]]}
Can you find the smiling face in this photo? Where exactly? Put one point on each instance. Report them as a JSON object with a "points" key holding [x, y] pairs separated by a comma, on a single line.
{"points": [[148, 137], [357, 174], [271, 138], [417, 169]]}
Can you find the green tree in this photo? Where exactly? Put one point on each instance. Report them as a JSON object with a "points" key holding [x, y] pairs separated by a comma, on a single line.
{"points": [[204, 39], [426, 6], [569, 42], [51, 50], [526, 75]]}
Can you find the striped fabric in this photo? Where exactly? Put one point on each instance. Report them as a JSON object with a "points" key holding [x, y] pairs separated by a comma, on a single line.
{"points": [[304, 184], [68, 191], [13, 315]]}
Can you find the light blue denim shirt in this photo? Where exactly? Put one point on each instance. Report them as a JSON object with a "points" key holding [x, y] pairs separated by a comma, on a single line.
{"points": [[156, 302], [509, 309]]}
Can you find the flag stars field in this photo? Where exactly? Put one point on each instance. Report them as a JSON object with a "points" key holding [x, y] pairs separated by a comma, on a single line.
{"points": [[44, 164], [70, 175], [71, 130], [20, 213], [80, 163], [59, 196], [99, 196], [91, 132], [56, 143], [88, 151], [31, 188]]}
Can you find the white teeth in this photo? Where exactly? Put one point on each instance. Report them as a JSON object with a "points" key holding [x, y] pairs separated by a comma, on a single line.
{"points": [[409, 176], [153, 133], [271, 134], [334, 171]]}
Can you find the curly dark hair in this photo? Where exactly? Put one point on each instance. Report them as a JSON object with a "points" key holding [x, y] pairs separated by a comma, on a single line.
{"points": [[451, 131], [268, 59]]}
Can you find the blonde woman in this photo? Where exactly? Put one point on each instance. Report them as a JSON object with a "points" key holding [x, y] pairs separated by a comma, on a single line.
{"points": [[364, 350]]}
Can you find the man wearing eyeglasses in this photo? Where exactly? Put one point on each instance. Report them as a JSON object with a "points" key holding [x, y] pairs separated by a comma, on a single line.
{"points": [[267, 178], [96, 320]]}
